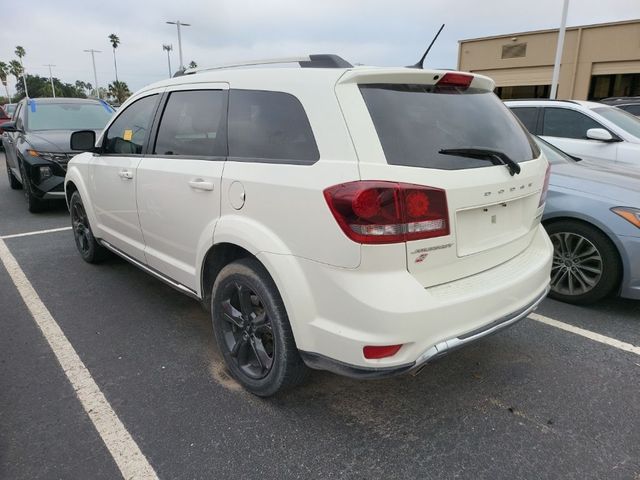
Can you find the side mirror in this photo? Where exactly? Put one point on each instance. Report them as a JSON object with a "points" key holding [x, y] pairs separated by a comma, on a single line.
{"points": [[84, 140], [599, 134], [9, 127]]}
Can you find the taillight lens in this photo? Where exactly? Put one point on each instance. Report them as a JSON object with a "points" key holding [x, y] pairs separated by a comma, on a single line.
{"points": [[545, 186], [388, 212]]}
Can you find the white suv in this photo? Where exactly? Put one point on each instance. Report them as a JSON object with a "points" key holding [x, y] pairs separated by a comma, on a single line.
{"points": [[358, 220], [583, 129]]}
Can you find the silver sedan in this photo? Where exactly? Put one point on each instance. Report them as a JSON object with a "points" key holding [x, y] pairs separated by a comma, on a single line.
{"points": [[593, 218]]}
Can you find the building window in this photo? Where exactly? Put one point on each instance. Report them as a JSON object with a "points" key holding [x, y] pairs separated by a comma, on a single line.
{"points": [[620, 85], [515, 50], [523, 91]]}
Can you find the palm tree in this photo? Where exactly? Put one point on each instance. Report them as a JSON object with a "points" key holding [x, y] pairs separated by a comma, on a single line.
{"points": [[15, 69], [21, 52], [4, 71], [115, 41], [119, 91]]}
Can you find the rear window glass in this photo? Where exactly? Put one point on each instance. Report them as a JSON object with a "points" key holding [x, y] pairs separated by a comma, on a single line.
{"points": [[270, 126], [67, 116], [415, 122]]}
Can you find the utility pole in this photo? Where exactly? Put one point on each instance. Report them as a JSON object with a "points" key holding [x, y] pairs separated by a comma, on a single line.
{"points": [[168, 48], [95, 74], [179, 24], [53, 89], [559, 48]]}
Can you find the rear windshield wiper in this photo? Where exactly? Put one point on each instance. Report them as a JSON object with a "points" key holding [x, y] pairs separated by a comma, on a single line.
{"points": [[494, 156]]}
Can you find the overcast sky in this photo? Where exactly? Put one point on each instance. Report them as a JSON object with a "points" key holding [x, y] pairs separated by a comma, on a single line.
{"points": [[377, 32]]}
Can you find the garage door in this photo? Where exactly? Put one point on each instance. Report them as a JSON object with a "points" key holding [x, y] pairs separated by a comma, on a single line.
{"points": [[511, 77]]}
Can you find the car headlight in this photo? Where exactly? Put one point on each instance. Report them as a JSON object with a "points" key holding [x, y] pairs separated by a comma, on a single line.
{"points": [[630, 214], [50, 156]]}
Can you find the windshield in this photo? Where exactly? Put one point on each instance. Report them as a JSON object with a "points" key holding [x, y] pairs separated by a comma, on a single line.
{"points": [[10, 108], [416, 122], [627, 122], [67, 116], [554, 155]]}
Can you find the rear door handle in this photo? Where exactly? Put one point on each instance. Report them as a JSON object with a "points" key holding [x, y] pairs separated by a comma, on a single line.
{"points": [[126, 174], [200, 184]]}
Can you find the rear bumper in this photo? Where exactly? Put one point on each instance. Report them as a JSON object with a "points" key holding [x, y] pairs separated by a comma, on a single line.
{"points": [[320, 362], [335, 312]]}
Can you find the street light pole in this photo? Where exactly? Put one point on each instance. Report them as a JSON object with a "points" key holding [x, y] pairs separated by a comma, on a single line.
{"points": [[179, 24], [53, 89], [168, 48], [95, 74], [24, 79], [559, 48]]}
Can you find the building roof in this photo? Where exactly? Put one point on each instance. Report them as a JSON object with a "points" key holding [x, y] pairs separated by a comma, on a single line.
{"points": [[550, 30]]}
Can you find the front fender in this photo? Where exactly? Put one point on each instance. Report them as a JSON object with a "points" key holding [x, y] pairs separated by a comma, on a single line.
{"points": [[74, 175]]}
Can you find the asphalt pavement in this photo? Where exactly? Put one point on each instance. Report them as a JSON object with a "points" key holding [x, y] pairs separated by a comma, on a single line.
{"points": [[534, 402]]}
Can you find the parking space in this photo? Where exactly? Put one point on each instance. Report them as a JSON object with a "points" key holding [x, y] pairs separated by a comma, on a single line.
{"points": [[532, 402]]}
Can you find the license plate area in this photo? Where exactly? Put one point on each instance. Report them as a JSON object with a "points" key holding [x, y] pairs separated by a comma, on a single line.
{"points": [[490, 226]]}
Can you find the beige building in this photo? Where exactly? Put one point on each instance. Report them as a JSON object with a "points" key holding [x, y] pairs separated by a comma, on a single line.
{"points": [[598, 61]]}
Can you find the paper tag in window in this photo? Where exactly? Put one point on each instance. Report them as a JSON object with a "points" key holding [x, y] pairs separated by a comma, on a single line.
{"points": [[128, 135]]}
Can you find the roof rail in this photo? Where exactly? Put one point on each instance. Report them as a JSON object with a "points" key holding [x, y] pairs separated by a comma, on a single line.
{"points": [[305, 61]]}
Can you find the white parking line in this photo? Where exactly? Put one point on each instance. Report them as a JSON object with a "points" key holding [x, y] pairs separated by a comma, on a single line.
{"points": [[37, 232], [124, 450], [612, 342]]}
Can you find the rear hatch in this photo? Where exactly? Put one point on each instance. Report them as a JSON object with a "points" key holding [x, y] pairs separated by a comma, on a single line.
{"points": [[447, 131]]}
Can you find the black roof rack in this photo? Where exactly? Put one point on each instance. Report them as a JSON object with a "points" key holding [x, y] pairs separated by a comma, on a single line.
{"points": [[323, 60]]}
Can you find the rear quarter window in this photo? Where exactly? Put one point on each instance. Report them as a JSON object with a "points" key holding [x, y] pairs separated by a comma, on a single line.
{"points": [[271, 127], [415, 122]]}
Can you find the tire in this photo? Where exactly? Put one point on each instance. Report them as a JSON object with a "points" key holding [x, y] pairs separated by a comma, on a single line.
{"points": [[14, 183], [252, 329], [586, 264], [34, 204], [88, 247]]}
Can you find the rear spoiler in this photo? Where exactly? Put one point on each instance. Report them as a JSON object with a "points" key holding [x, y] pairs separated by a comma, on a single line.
{"points": [[416, 76]]}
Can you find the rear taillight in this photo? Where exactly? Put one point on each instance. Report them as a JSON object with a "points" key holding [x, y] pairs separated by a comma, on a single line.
{"points": [[388, 212], [452, 79], [545, 186]]}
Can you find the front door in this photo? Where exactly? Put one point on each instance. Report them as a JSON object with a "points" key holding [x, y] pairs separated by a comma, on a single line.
{"points": [[179, 180], [112, 177]]}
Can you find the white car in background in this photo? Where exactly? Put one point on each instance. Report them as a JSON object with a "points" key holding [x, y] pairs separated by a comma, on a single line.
{"points": [[359, 220], [583, 129]]}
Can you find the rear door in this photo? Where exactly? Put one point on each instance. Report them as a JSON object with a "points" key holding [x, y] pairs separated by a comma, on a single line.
{"points": [[566, 129], [112, 176], [179, 180], [492, 213]]}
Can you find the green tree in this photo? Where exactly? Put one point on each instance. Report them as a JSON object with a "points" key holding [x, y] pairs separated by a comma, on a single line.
{"points": [[115, 41], [119, 91], [4, 71], [15, 69], [21, 52]]}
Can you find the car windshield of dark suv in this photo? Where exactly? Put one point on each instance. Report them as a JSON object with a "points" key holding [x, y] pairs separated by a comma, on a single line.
{"points": [[67, 116], [423, 125]]}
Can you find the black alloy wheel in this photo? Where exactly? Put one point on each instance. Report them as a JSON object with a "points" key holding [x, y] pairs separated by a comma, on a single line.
{"points": [[252, 329], [247, 330], [90, 250]]}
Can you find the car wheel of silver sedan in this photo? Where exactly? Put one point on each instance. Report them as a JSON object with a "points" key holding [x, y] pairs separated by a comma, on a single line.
{"points": [[586, 265]]}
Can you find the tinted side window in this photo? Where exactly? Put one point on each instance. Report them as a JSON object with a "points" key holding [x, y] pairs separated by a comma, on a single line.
{"points": [[528, 116], [632, 109], [561, 122], [193, 124], [128, 132], [271, 126]]}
